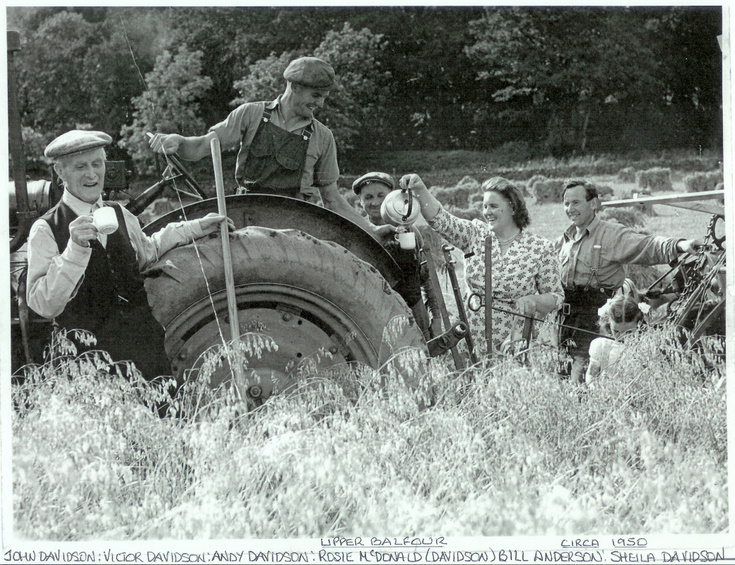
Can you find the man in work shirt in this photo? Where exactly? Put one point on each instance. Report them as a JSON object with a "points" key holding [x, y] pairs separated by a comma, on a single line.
{"points": [[283, 149], [90, 280], [593, 254]]}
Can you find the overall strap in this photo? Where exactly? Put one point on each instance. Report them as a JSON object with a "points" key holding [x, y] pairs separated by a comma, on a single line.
{"points": [[306, 134], [267, 113], [596, 260]]}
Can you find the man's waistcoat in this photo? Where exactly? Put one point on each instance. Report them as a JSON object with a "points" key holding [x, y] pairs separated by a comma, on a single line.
{"points": [[112, 280]]}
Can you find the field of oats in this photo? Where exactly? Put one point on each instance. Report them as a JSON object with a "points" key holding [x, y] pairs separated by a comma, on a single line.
{"points": [[503, 448]]}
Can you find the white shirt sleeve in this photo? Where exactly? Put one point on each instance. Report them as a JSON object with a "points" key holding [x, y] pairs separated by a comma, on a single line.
{"points": [[53, 276], [149, 249]]}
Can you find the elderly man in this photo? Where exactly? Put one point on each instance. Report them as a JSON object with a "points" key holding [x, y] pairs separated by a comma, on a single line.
{"points": [[90, 280], [283, 149], [593, 254], [372, 188]]}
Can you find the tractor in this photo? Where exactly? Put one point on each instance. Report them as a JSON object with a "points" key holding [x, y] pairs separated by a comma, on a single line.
{"points": [[313, 282]]}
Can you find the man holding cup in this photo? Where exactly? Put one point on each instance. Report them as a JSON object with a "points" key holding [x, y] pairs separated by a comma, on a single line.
{"points": [[85, 258], [414, 287]]}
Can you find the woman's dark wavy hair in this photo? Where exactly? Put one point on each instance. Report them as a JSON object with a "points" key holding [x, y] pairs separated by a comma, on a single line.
{"points": [[510, 192]]}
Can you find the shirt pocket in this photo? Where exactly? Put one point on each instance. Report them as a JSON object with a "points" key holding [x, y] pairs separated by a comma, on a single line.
{"points": [[288, 160], [292, 153]]}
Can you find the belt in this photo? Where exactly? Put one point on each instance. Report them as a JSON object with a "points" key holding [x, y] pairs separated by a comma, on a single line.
{"points": [[589, 290]]}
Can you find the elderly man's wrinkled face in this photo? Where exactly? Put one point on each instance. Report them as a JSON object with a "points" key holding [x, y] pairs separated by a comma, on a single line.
{"points": [[371, 198], [83, 174]]}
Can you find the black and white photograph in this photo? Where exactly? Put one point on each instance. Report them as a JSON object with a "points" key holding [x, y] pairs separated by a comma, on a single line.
{"points": [[367, 283]]}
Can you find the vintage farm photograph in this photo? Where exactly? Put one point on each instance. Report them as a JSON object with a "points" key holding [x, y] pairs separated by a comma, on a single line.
{"points": [[284, 272]]}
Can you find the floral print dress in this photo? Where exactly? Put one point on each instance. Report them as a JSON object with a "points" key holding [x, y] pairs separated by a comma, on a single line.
{"points": [[529, 266]]}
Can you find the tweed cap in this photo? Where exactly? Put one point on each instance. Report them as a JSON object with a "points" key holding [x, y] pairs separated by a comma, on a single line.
{"points": [[76, 141], [310, 71], [373, 177]]}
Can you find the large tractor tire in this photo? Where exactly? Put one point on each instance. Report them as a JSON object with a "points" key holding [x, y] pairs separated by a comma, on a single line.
{"points": [[318, 302]]}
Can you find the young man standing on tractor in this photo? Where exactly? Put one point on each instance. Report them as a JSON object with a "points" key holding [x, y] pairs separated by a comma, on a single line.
{"points": [[372, 188], [88, 276], [283, 149], [592, 255]]}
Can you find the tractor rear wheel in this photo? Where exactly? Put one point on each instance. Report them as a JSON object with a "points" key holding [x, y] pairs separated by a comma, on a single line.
{"points": [[318, 302]]}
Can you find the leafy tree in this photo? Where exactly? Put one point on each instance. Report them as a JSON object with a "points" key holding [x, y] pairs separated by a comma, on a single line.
{"points": [[356, 108], [169, 105], [52, 72], [433, 92], [432, 77], [571, 64], [81, 68], [691, 69]]}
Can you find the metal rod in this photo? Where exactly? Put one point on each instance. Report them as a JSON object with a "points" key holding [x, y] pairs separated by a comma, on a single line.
{"points": [[226, 256], [447, 249], [439, 297], [489, 294], [24, 214], [526, 336]]}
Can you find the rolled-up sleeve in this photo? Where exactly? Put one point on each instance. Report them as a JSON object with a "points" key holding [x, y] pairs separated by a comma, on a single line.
{"points": [[235, 128], [321, 167], [633, 247], [463, 234]]}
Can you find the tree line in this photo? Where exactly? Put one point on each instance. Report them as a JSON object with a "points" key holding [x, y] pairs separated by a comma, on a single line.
{"points": [[540, 81]]}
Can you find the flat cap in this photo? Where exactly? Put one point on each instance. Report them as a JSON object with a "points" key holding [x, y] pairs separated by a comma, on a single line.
{"points": [[76, 141], [310, 71], [370, 178]]}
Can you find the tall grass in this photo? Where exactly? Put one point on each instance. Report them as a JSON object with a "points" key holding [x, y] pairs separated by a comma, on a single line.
{"points": [[504, 448]]}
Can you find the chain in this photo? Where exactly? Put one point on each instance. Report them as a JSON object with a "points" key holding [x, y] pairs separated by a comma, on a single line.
{"points": [[696, 282]]}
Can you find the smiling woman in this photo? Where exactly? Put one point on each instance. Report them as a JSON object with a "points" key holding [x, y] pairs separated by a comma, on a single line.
{"points": [[525, 274]]}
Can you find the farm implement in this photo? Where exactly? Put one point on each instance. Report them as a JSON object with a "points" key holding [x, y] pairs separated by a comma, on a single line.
{"points": [[692, 293]]}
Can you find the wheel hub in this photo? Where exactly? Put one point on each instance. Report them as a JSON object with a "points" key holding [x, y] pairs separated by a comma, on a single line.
{"points": [[286, 333]]}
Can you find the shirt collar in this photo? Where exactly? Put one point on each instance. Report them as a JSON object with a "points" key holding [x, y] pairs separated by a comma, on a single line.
{"points": [[79, 207], [275, 106], [572, 230], [273, 103]]}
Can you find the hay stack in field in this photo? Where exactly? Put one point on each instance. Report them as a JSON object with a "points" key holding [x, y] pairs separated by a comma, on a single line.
{"points": [[468, 183], [657, 178], [468, 213], [644, 207], [547, 190], [605, 192], [522, 187], [536, 178], [458, 195], [628, 216], [626, 175], [701, 182]]}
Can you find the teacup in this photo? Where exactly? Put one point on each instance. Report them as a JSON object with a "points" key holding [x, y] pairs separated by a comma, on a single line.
{"points": [[105, 220]]}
